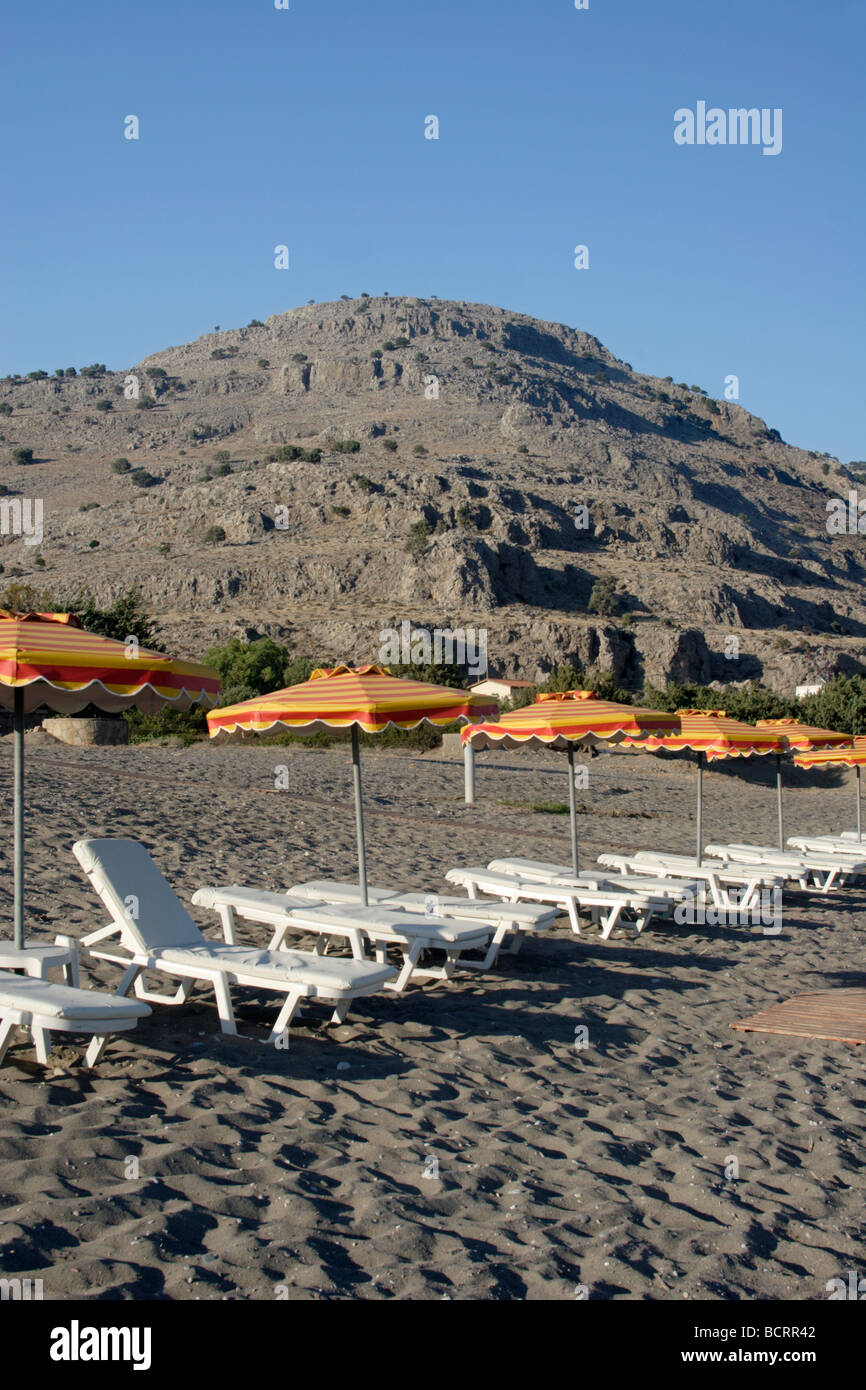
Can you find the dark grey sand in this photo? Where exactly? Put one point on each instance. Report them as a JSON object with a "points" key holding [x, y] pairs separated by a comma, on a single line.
{"points": [[261, 1172]]}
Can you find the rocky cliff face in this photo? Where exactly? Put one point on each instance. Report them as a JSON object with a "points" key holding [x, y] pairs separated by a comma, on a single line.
{"points": [[503, 466]]}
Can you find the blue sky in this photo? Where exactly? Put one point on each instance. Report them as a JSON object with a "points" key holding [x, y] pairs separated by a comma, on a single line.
{"points": [[305, 126]]}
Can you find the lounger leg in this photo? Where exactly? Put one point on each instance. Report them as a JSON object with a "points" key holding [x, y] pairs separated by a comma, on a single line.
{"points": [[279, 936], [608, 923], [573, 917], [340, 1012], [224, 1004], [7, 1027], [42, 1040], [95, 1050], [226, 914], [286, 1014], [496, 945], [70, 970], [410, 960]]}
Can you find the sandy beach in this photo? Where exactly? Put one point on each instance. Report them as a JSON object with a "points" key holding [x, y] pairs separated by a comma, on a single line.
{"points": [[311, 1172]]}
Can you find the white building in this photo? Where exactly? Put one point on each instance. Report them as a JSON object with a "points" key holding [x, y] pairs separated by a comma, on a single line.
{"points": [[500, 689], [802, 691]]}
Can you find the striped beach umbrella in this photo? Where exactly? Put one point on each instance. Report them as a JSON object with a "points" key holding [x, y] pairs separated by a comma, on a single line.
{"points": [[564, 720], [853, 756], [800, 738], [364, 698], [48, 659], [712, 735]]}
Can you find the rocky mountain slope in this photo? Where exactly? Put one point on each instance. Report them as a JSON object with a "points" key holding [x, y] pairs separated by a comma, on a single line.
{"points": [[459, 466]]}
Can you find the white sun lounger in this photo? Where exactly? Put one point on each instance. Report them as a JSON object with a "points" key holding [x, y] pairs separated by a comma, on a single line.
{"points": [[821, 871], [42, 1008], [509, 921], [605, 905], [836, 845], [540, 871], [743, 882], [383, 927], [158, 934]]}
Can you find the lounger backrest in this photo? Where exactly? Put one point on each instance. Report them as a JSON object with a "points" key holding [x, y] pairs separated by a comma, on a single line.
{"points": [[139, 899]]}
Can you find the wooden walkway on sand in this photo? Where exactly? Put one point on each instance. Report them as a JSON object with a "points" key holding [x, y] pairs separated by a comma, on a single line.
{"points": [[836, 1015]]}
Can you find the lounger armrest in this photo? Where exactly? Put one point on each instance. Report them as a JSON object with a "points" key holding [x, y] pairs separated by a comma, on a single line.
{"points": [[102, 934]]}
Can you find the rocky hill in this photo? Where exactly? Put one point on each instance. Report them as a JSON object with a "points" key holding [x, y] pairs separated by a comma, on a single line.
{"points": [[344, 467]]}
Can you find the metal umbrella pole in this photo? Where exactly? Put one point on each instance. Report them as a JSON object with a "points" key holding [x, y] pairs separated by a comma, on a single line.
{"points": [[859, 808], [572, 806], [699, 849], [18, 816], [359, 815], [779, 801]]}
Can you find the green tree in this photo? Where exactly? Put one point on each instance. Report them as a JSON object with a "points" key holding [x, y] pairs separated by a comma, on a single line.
{"points": [[126, 617], [255, 667], [603, 599]]}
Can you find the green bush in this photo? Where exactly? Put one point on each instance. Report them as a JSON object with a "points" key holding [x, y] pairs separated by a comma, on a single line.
{"points": [[341, 511], [187, 725], [603, 599], [261, 666], [419, 451], [390, 445], [22, 455], [88, 506], [145, 403], [299, 357], [346, 446], [155, 373], [362, 482], [120, 466], [126, 617], [291, 453], [221, 456], [95, 369], [214, 535], [142, 478], [419, 534], [6, 409], [263, 362], [104, 405], [255, 323]]}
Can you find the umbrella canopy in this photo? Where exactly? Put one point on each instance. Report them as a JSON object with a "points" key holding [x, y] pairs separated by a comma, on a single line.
{"points": [[854, 756], [561, 720], [48, 659], [366, 697], [799, 738], [710, 733]]}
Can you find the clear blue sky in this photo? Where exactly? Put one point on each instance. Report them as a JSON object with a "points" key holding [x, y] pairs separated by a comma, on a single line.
{"points": [[306, 127]]}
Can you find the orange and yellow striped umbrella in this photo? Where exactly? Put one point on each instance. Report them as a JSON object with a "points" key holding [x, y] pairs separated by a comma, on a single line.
{"points": [[51, 660], [711, 734], [366, 697], [48, 659], [798, 737], [852, 756], [561, 720]]}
